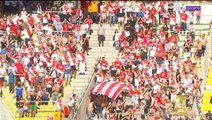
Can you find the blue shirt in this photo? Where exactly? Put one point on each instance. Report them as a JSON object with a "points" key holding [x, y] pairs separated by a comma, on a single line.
{"points": [[19, 92], [68, 66], [11, 77]]}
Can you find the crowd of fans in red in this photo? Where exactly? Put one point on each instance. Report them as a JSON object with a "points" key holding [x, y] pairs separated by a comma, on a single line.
{"points": [[150, 62], [42, 53]]}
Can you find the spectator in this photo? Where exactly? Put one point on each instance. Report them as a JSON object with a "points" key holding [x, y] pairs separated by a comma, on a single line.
{"points": [[19, 94], [11, 81], [198, 17], [101, 35], [72, 104], [55, 92], [32, 103], [184, 18], [208, 115], [2, 74], [81, 62], [67, 77]]}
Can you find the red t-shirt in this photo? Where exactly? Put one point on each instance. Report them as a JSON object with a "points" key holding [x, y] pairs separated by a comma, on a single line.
{"points": [[122, 76], [184, 17], [60, 81], [18, 32], [140, 34], [60, 67], [65, 27], [118, 64], [104, 63], [20, 68]]}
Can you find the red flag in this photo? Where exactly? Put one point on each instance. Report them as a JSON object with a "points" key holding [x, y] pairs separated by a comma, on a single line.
{"points": [[160, 50]]}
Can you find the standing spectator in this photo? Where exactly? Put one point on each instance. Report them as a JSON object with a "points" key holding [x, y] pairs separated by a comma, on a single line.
{"points": [[94, 10], [198, 17], [85, 44], [19, 94], [2, 74], [67, 76], [72, 104], [101, 35], [183, 25], [59, 104], [32, 103], [84, 7], [112, 15], [116, 39], [81, 62], [90, 109], [55, 92], [73, 63], [11, 81], [161, 11], [64, 10], [204, 43], [104, 65]]}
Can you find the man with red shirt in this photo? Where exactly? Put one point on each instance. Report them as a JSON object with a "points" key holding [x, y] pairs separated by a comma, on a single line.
{"points": [[184, 18], [60, 68], [122, 77], [20, 70], [118, 63], [104, 65], [161, 11]]}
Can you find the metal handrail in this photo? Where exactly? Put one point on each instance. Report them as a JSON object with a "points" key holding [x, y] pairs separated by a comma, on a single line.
{"points": [[77, 109]]}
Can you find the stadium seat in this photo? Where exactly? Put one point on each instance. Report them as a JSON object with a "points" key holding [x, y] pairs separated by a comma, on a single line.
{"points": [[206, 107], [206, 101], [207, 94], [210, 69], [209, 81], [210, 75]]}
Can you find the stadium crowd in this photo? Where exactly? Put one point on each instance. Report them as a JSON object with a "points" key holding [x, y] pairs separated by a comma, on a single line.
{"points": [[149, 62], [42, 52]]}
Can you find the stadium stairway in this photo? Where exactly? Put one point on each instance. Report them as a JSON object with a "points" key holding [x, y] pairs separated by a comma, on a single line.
{"points": [[78, 86]]}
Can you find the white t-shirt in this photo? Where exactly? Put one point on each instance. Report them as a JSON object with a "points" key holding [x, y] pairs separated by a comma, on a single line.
{"points": [[156, 87], [2, 72], [186, 55]]}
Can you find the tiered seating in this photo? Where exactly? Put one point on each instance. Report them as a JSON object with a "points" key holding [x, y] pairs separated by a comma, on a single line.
{"points": [[42, 113], [206, 105]]}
